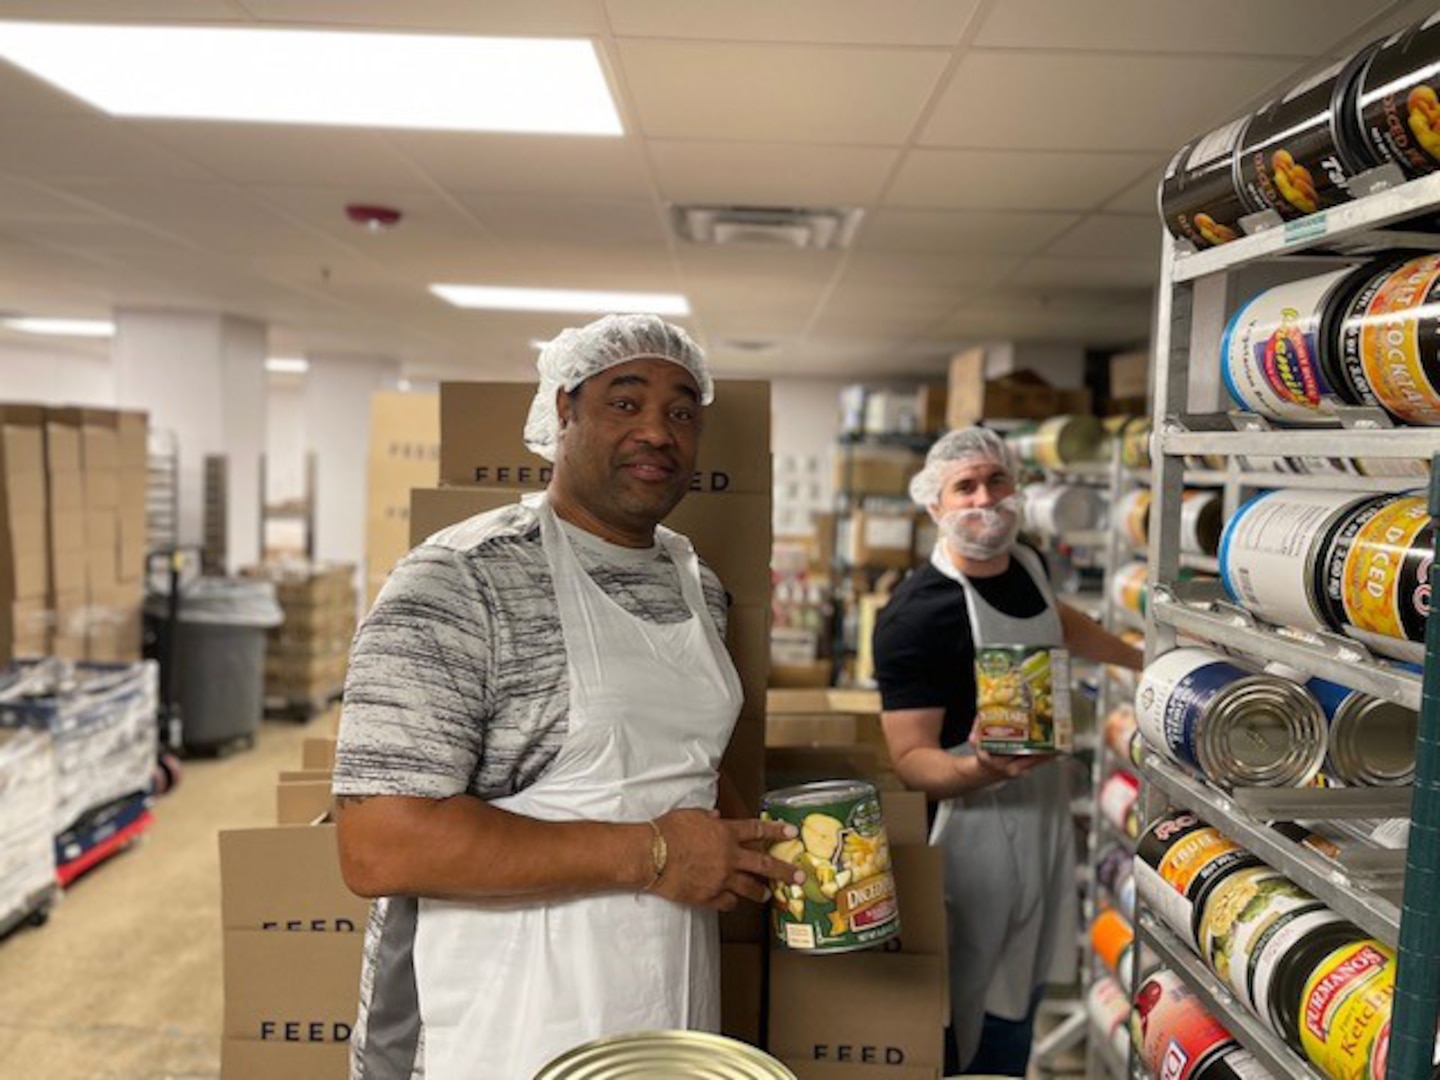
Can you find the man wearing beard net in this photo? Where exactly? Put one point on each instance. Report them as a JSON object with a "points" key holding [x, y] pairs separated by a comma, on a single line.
{"points": [[1003, 821]]}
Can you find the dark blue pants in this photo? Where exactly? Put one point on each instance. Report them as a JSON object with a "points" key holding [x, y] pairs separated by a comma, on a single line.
{"points": [[1005, 1044]]}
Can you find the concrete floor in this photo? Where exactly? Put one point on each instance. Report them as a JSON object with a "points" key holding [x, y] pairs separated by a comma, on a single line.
{"points": [[124, 981]]}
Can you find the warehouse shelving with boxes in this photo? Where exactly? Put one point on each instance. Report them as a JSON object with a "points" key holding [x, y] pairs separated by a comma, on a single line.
{"points": [[1306, 927]]}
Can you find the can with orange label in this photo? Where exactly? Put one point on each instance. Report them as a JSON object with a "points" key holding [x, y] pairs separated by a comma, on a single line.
{"points": [[1112, 939], [1179, 860], [1387, 341]]}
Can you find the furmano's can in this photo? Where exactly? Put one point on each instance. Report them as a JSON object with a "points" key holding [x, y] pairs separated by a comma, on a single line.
{"points": [[1345, 1010], [1022, 699], [1387, 340], [1276, 353], [1176, 1038], [1179, 860], [848, 899], [1270, 551], [648, 1054], [1372, 741], [1233, 725], [1374, 574], [1199, 194]]}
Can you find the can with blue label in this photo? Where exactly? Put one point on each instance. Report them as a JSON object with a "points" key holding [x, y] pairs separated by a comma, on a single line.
{"points": [[1372, 741], [1234, 726]]}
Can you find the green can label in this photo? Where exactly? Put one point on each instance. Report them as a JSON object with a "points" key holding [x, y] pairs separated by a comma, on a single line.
{"points": [[1022, 698], [848, 899]]}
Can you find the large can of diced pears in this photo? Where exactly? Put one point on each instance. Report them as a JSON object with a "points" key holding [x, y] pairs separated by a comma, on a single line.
{"points": [[848, 899]]}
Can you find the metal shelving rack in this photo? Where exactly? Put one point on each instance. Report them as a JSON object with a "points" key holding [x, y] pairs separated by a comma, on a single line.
{"points": [[1190, 418]]}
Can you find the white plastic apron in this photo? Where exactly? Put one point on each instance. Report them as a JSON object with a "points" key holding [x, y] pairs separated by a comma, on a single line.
{"points": [[1009, 854], [506, 987]]}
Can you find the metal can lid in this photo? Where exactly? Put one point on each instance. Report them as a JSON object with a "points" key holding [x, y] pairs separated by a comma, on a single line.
{"points": [[1372, 741], [819, 793], [1261, 731], [663, 1055]]}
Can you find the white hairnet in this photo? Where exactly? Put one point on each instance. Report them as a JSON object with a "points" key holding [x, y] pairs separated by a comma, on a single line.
{"points": [[580, 352], [963, 447]]}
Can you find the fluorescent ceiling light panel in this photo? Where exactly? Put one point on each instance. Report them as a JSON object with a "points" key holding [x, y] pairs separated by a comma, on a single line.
{"points": [[548, 86], [96, 328], [286, 365], [500, 298]]}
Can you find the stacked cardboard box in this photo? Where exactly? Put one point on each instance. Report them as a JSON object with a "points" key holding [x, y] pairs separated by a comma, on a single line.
{"points": [[1020, 395], [305, 655], [96, 473], [877, 1013], [727, 515], [24, 557], [404, 454]]}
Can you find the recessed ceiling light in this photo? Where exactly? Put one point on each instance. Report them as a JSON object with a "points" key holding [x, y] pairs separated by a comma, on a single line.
{"points": [[287, 365], [500, 298], [453, 83], [96, 328]]}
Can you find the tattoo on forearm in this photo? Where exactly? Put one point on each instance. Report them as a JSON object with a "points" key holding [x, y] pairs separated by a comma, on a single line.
{"points": [[342, 801]]}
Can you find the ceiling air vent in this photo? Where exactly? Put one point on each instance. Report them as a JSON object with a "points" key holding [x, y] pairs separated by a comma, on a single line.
{"points": [[767, 226]]}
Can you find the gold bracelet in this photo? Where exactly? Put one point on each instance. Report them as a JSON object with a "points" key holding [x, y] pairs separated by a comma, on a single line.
{"points": [[659, 855]]}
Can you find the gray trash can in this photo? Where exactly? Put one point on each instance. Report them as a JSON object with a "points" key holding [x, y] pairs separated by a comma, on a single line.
{"points": [[218, 653]]}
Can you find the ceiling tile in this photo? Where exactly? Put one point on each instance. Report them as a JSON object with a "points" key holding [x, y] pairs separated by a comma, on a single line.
{"points": [[597, 168], [128, 11], [1237, 27], [1094, 102], [767, 92], [503, 17], [96, 234], [524, 221], [23, 201], [999, 231], [957, 270], [25, 94], [1141, 197], [75, 148], [770, 174], [283, 153], [1047, 272], [1111, 236], [428, 221], [1013, 180], [836, 22]]}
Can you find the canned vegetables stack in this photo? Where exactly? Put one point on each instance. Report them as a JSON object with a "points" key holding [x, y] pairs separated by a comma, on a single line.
{"points": [[1319, 982]]}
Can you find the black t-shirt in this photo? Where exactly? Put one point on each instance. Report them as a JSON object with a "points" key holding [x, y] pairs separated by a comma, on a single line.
{"points": [[924, 655]]}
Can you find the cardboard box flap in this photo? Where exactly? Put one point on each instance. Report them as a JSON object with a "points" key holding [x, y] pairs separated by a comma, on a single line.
{"points": [[904, 813], [302, 802], [251, 1059], [286, 877], [830, 1070]]}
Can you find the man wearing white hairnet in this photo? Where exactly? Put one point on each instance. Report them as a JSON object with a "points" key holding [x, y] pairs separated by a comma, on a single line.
{"points": [[530, 743], [1003, 821]]}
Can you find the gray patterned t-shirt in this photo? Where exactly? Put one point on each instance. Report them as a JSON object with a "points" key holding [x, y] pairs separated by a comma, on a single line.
{"points": [[457, 685]]}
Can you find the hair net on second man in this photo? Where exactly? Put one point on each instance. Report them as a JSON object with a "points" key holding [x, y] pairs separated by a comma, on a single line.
{"points": [[576, 354], [979, 532]]}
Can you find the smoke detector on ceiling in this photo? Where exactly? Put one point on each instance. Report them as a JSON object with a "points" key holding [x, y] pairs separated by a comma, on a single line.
{"points": [[814, 229]]}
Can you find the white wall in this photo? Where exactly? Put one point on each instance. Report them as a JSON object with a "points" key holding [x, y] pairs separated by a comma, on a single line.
{"points": [[285, 439], [55, 376]]}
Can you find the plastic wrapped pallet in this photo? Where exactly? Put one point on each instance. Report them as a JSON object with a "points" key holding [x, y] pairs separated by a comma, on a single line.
{"points": [[27, 803], [102, 719]]}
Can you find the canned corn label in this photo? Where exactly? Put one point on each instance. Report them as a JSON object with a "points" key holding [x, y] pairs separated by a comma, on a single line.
{"points": [[1389, 342], [1345, 1022], [848, 898], [1241, 910], [1383, 582], [1022, 697]]}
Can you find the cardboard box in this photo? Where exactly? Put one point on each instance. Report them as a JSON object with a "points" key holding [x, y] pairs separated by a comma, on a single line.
{"points": [[404, 454], [302, 802], [249, 1059], [930, 402], [827, 1070], [881, 540], [883, 471], [1020, 395], [731, 532], [62, 441], [301, 987], [816, 674], [317, 754], [286, 879], [742, 987], [132, 438], [481, 445], [65, 493], [746, 636], [1130, 375]]}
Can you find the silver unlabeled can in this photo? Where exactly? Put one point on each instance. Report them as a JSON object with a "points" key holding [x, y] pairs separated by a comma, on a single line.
{"points": [[1200, 521], [1270, 550], [646, 1055], [1055, 509], [1237, 727], [1372, 741]]}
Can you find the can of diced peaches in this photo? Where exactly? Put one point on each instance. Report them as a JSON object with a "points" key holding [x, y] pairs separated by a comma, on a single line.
{"points": [[848, 899]]}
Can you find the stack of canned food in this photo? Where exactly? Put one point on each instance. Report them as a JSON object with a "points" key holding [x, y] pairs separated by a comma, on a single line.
{"points": [[1319, 982], [1237, 725], [1299, 153]]}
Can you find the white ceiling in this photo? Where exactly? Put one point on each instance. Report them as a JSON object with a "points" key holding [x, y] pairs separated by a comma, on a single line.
{"points": [[1006, 154]]}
